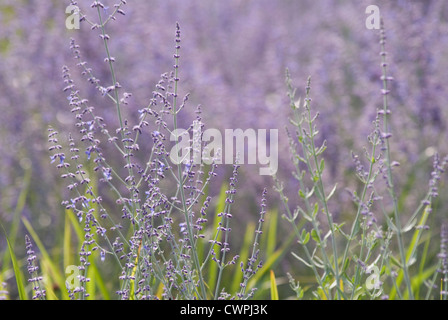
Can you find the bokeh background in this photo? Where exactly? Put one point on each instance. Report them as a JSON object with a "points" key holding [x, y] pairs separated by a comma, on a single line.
{"points": [[233, 60]]}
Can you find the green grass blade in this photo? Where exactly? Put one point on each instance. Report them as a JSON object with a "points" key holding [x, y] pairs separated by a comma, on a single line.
{"points": [[48, 282], [412, 249], [67, 254], [274, 290], [21, 201], [100, 282], [17, 272], [91, 285], [75, 224], [422, 264], [272, 233]]}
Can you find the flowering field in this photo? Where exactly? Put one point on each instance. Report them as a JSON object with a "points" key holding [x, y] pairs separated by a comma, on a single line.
{"points": [[239, 149]]}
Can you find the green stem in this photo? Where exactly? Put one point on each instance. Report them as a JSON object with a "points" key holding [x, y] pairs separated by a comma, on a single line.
{"points": [[181, 182], [389, 169], [321, 191]]}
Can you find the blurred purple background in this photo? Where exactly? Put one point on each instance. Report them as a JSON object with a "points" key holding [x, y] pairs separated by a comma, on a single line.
{"points": [[233, 60]]}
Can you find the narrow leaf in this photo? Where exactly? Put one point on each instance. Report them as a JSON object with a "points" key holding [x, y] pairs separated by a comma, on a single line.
{"points": [[309, 194], [15, 265], [322, 165], [302, 260], [306, 238], [315, 236], [331, 192], [409, 226], [316, 209], [274, 290]]}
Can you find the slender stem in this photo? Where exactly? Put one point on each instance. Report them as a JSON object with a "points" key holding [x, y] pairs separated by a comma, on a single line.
{"points": [[389, 168], [180, 179], [224, 249], [306, 200], [321, 191], [247, 275], [122, 133], [355, 226], [393, 277], [114, 81]]}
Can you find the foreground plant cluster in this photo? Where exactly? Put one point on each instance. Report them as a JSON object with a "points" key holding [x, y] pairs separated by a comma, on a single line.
{"points": [[137, 226]]}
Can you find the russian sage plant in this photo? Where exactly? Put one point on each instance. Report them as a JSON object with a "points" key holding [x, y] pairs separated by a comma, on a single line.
{"points": [[146, 227], [352, 260], [162, 243]]}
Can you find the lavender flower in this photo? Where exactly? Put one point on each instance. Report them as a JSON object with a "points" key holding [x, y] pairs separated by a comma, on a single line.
{"points": [[254, 263], [39, 292], [443, 257]]}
